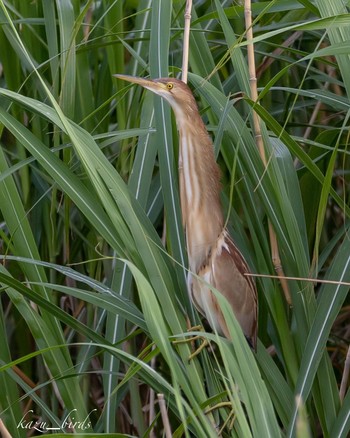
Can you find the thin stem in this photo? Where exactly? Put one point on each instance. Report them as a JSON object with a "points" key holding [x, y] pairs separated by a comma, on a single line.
{"points": [[252, 78], [318, 106], [309, 279], [276, 54], [152, 396], [259, 140], [186, 40], [164, 414]]}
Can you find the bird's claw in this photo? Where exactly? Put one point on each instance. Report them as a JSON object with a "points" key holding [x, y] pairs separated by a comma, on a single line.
{"points": [[230, 418], [204, 342]]}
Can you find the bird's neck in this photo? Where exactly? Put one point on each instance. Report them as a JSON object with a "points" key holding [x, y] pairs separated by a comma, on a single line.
{"points": [[199, 190]]}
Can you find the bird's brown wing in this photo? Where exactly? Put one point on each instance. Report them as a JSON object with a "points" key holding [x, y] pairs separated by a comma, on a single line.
{"points": [[228, 269]]}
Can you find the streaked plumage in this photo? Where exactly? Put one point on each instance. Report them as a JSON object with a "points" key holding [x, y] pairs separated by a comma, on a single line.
{"points": [[212, 254]]}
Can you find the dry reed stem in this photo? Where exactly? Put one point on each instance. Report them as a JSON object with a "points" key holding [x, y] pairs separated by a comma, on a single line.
{"points": [[152, 397], [164, 414], [259, 141], [186, 40]]}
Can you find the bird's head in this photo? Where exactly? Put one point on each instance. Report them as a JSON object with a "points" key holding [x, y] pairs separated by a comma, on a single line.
{"points": [[176, 92]]}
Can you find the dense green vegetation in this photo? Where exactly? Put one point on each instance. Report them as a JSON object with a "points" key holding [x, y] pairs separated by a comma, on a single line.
{"points": [[92, 282]]}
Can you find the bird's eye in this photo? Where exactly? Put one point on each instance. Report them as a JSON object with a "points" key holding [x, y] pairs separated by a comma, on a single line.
{"points": [[170, 85]]}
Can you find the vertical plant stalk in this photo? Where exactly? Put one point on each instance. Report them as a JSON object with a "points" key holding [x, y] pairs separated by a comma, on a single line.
{"points": [[260, 144], [186, 40], [152, 398], [164, 414]]}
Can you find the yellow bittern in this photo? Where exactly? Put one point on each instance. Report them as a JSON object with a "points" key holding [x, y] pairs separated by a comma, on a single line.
{"points": [[212, 254]]}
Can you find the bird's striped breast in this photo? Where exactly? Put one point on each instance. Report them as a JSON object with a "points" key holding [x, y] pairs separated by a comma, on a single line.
{"points": [[200, 203]]}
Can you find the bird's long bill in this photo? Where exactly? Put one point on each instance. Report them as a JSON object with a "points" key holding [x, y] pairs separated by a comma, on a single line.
{"points": [[147, 83]]}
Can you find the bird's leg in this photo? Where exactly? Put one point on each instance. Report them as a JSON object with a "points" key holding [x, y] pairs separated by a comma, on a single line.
{"points": [[230, 418], [228, 422], [204, 342]]}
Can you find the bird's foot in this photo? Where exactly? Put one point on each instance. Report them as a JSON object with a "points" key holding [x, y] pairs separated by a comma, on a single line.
{"points": [[204, 342], [230, 418]]}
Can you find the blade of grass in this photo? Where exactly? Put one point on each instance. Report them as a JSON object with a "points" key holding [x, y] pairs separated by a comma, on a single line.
{"points": [[329, 303]]}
